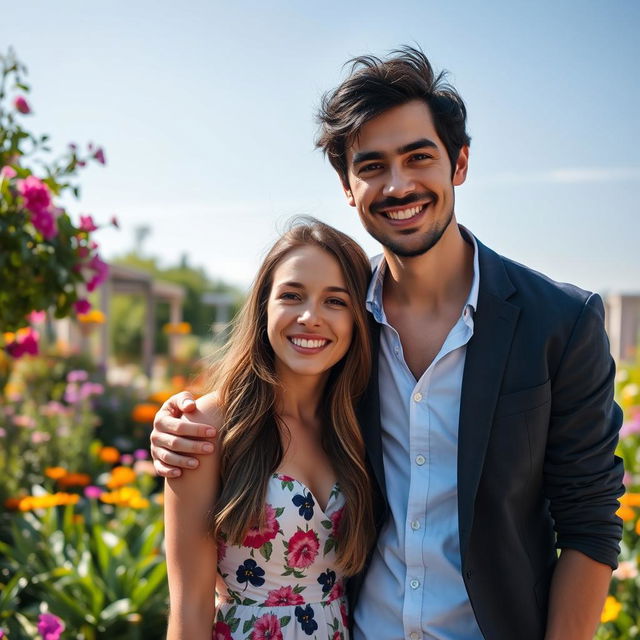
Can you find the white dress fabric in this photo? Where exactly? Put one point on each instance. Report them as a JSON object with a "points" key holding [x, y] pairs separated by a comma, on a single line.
{"points": [[283, 582]]}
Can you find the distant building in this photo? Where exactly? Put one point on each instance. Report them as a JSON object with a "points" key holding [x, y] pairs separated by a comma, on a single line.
{"points": [[623, 325]]}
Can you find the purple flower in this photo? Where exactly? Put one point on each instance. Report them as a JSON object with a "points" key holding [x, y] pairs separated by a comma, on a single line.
{"points": [[92, 491], [77, 375], [99, 155], [140, 454], [82, 306], [126, 458], [71, 394], [21, 105], [50, 627]]}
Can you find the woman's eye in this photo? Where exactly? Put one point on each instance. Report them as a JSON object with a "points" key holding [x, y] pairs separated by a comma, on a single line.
{"points": [[287, 295], [337, 301]]}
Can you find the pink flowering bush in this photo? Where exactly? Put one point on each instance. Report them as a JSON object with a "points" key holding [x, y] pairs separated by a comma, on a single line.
{"points": [[48, 261]]}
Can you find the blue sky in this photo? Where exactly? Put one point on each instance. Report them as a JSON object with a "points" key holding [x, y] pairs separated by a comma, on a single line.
{"points": [[206, 111]]}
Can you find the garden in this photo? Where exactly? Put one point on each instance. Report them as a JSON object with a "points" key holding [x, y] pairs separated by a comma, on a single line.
{"points": [[81, 532]]}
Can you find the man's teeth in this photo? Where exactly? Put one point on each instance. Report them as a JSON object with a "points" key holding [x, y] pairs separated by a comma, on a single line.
{"points": [[308, 344], [405, 214]]}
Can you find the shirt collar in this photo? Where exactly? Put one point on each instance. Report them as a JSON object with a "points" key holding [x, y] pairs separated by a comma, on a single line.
{"points": [[379, 265]]}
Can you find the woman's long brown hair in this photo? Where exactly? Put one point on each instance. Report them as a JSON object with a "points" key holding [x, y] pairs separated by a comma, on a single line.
{"points": [[246, 384]]}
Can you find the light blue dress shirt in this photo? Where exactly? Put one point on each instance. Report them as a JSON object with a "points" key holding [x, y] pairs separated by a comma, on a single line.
{"points": [[414, 587]]}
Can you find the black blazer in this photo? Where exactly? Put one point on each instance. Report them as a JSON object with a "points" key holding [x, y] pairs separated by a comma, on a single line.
{"points": [[537, 433]]}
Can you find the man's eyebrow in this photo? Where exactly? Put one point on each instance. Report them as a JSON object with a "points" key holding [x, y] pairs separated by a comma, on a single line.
{"points": [[365, 156]]}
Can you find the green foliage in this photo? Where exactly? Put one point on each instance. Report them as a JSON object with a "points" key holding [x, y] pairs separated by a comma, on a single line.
{"points": [[97, 567], [46, 260]]}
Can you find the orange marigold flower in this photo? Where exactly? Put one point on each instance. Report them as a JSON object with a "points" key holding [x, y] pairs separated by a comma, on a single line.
{"points": [[74, 480], [95, 316], [55, 472], [160, 396], [630, 499], [121, 476], [12, 503], [610, 610], [109, 454], [638, 527], [626, 513], [144, 412], [138, 503]]}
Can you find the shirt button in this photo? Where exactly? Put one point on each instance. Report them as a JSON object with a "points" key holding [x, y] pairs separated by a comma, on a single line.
{"points": [[420, 460], [417, 397], [415, 524], [414, 635], [414, 584]]}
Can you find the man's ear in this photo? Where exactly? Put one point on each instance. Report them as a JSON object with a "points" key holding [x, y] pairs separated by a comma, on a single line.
{"points": [[462, 164], [347, 191]]}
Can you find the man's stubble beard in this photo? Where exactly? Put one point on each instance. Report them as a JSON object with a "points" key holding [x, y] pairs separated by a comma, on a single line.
{"points": [[428, 239]]}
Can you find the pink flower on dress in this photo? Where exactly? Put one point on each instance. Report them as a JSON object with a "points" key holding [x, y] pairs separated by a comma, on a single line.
{"points": [[50, 627], [222, 549], [344, 614], [337, 635], [221, 631], [21, 105], [303, 549], [336, 519], [35, 193], [255, 537], [267, 627], [282, 597], [336, 592]]}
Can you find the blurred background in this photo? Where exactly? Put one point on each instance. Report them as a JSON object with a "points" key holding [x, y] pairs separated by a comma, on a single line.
{"points": [[201, 121]]}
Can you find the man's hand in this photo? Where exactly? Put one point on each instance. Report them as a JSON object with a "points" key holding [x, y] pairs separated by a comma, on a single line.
{"points": [[174, 434]]}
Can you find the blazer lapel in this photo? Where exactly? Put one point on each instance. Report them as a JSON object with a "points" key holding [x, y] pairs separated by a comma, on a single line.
{"points": [[486, 358]]}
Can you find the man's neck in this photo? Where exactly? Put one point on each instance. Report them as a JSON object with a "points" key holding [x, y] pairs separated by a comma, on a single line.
{"points": [[434, 280]]}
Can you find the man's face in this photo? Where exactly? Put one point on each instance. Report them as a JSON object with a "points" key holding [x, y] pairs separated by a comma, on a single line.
{"points": [[400, 179]]}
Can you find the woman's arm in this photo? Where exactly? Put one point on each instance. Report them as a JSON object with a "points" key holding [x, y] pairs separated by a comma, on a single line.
{"points": [[190, 549]]}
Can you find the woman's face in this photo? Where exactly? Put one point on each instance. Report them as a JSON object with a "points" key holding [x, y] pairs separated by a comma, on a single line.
{"points": [[309, 313]]}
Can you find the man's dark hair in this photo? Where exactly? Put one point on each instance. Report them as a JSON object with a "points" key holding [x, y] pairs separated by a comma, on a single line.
{"points": [[376, 85]]}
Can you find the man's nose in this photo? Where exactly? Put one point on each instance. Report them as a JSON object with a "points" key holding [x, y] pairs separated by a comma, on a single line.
{"points": [[399, 183]]}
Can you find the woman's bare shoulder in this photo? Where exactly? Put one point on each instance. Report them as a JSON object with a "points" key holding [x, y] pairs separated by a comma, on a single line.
{"points": [[209, 410]]}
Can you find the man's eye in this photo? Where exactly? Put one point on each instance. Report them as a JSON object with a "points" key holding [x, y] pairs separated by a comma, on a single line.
{"points": [[373, 166], [421, 156]]}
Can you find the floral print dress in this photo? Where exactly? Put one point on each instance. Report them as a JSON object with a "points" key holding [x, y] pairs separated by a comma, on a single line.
{"points": [[283, 582]]}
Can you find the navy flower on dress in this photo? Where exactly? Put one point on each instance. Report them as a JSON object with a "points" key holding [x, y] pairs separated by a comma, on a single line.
{"points": [[304, 615], [249, 571], [306, 503], [327, 580]]}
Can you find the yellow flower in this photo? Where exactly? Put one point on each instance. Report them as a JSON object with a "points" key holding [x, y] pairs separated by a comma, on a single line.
{"points": [[161, 396], [144, 412], [55, 473], [95, 316], [611, 609], [630, 499], [109, 454], [626, 513], [125, 497], [177, 328], [638, 527], [121, 476]]}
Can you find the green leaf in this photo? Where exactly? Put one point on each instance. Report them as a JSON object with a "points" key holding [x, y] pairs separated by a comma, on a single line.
{"points": [[284, 621], [266, 550]]}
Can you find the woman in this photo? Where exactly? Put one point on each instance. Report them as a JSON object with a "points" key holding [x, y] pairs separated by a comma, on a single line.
{"points": [[284, 504]]}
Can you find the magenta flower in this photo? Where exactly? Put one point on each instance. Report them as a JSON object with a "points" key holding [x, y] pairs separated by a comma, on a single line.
{"points": [[36, 317], [21, 105], [45, 222], [126, 459], [35, 193], [87, 223], [100, 269], [50, 627], [99, 155], [140, 454], [26, 342], [630, 428], [8, 172], [82, 306], [92, 491]]}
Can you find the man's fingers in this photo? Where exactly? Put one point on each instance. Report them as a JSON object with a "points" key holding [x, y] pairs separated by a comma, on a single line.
{"points": [[179, 444], [170, 459], [164, 471], [182, 402], [166, 423]]}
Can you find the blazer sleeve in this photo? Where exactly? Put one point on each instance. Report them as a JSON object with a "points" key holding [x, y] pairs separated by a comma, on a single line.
{"points": [[582, 475]]}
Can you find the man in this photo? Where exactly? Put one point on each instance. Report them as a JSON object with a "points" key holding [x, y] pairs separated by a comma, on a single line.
{"points": [[489, 421]]}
